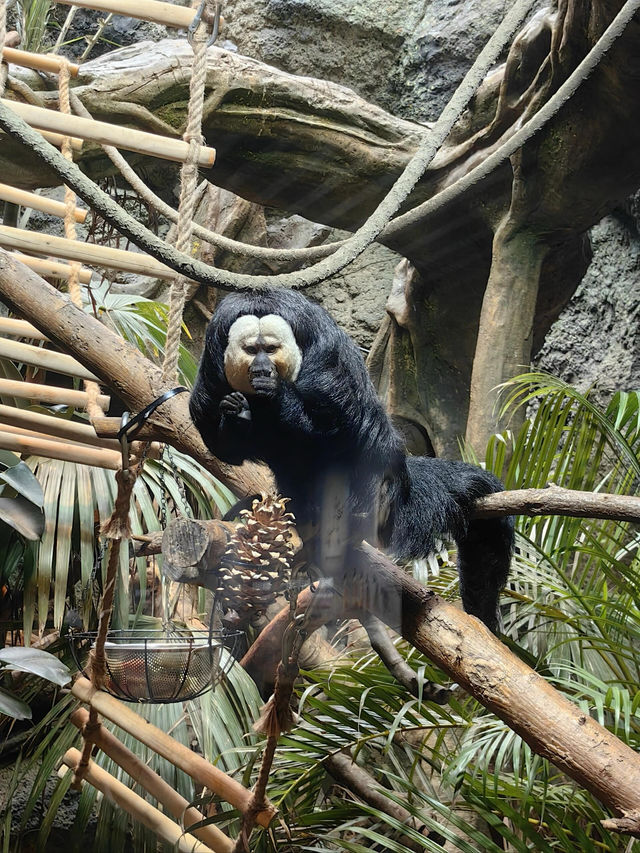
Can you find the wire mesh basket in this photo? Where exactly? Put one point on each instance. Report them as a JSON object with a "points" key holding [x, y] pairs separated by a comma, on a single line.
{"points": [[159, 666]]}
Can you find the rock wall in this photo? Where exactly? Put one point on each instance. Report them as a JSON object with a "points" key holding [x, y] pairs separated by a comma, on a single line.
{"points": [[408, 56]]}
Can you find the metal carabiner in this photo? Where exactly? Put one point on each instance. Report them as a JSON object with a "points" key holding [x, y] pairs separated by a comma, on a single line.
{"points": [[216, 25], [124, 440]]}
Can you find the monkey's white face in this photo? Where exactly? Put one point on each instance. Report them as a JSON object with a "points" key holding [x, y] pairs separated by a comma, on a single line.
{"points": [[260, 352]]}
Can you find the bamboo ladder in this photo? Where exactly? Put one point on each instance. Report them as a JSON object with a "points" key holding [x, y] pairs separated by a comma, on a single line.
{"points": [[29, 432]]}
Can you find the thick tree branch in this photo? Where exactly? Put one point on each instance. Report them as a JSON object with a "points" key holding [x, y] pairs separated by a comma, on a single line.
{"points": [[382, 644], [474, 658], [118, 364], [555, 500], [355, 779]]}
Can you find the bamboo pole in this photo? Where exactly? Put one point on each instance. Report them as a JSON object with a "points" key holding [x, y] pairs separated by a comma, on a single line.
{"points": [[20, 329], [176, 805], [38, 202], [49, 394], [87, 253], [110, 427], [50, 269], [38, 61], [58, 138], [46, 359], [52, 449], [181, 756], [152, 144], [135, 805], [146, 10], [52, 426]]}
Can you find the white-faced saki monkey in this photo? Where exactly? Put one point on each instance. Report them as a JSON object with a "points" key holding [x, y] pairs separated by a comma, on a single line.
{"points": [[279, 382]]}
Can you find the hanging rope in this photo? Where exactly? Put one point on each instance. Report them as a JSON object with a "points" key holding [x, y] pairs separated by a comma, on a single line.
{"points": [[188, 189], [3, 35], [92, 388], [352, 247]]}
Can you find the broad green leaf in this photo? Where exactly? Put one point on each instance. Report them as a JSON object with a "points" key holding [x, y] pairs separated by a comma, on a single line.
{"points": [[37, 662], [23, 516], [11, 706], [21, 478]]}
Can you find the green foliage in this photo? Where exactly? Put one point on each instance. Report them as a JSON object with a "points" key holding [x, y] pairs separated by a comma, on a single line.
{"points": [[34, 662], [32, 23], [140, 321]]}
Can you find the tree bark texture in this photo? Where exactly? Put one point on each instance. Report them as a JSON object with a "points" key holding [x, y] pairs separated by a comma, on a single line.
{"points": [[317, 149], [135, 379], [474, 658]]}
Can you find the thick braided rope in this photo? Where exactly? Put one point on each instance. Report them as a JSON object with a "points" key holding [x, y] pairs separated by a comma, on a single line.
{"points": [[3, 35], [92, 388], [310, 253], [351, 248], [188, 195]]}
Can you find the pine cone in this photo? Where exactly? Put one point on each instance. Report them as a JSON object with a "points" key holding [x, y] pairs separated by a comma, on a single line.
{"points": [[256, 566]]}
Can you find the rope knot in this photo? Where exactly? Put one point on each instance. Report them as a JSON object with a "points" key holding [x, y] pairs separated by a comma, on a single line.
{"points": [[118, 525]]}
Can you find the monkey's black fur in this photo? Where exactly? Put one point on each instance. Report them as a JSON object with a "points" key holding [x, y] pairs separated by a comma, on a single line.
{"points": [[331, 420]]}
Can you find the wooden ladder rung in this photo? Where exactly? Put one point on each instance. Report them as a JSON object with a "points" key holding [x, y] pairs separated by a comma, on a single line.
{"points": [[86, 253], [135, 805], [57, 362], [49, 394], [152, 144], [38, 61], [39, 202], [146, 10], [50, 269]]}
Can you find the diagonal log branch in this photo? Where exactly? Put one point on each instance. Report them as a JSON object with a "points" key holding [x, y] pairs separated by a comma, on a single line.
{"points": [[474, 658], [118, 364], [555, 500]]}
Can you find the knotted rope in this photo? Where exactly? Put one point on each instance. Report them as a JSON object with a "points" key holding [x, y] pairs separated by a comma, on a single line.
{"points": [[3, 35], [70, 199], [188, 190]]}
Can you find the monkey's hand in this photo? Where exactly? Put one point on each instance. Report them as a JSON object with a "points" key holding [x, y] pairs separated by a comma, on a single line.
{"points": [[235, 405]]}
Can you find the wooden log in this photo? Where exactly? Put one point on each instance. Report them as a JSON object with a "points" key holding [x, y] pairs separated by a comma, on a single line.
{"points": [[176, 805], [51, 449], [44, 358], [103, 133], [135, 805], [87, 253], [52, 426], [50, 269], [49, 394], [190, 547], [38, 61], [191, 763], [39, 202], [146, 10], [20, 329]]}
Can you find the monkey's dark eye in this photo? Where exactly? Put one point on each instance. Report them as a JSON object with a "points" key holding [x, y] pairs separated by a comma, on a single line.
{"points": [[271, 348], [251, 350]]}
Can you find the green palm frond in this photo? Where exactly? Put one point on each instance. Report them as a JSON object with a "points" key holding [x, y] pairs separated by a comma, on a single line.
{"points": [[141, 321]]}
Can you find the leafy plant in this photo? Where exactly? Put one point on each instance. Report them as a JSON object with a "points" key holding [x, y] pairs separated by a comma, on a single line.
{"points": [[140, 321], [34, 662], [32, 23]]}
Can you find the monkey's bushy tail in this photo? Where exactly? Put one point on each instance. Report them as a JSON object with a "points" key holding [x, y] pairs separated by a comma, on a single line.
{"points": [[436, 499]]}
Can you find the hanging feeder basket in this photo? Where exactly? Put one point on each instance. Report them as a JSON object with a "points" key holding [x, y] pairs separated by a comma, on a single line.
{"points": [[159, 667]]}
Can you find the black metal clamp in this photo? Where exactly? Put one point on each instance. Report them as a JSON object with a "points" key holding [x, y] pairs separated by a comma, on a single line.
{"points": [[129, 425]]}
